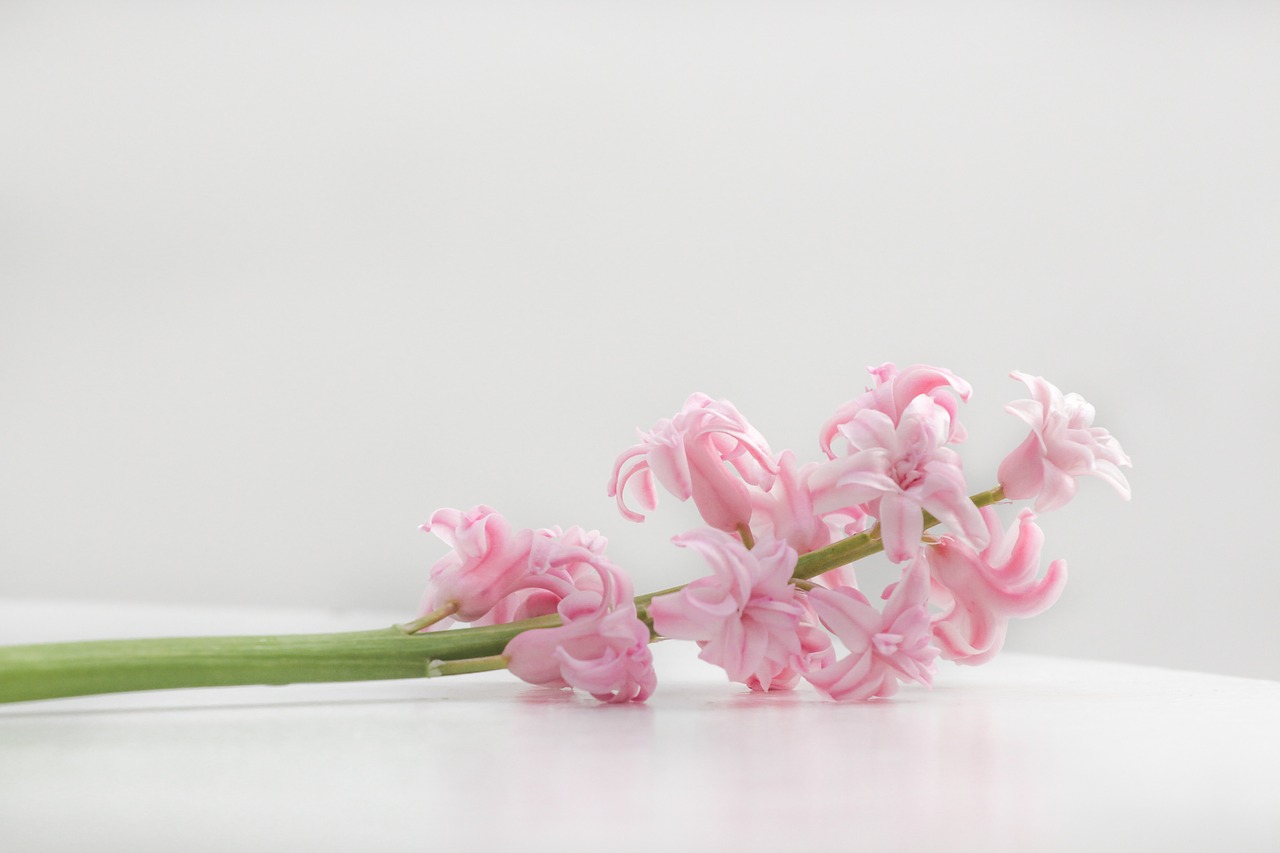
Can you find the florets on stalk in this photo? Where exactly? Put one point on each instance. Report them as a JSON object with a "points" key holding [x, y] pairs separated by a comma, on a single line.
{"points": [[890, 473]]}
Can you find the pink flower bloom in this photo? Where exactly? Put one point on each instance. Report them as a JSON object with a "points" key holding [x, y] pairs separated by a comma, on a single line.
{"points": [[884, 648], [746, 617], [983, 590], [688, 455], [901, 469], [893, 392], [815, 652], [786, 511], [602, 647], [560, 564], [1063, 444], [488, 560]]}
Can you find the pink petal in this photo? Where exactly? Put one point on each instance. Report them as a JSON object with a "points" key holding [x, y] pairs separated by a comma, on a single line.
{"points": [[945, 496], [901, 526], [671, 466], [1058, 489], [721, 498], [1021, 474]]}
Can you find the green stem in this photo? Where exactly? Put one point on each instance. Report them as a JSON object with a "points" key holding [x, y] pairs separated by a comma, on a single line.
{"points": [[424, 622], [437, 668], [53, 670]]}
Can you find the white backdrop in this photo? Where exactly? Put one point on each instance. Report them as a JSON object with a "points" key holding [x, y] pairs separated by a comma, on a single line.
{"points": [[277, 280]]}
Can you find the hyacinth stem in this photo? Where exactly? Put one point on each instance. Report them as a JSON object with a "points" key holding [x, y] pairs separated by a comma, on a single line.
{"points": [[424, 622], [437, 668], [53, 670]]}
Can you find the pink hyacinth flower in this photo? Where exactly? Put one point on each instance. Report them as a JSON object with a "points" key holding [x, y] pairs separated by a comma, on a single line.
{"points": [[1063, 445], [902, 469], [884, 648], [602, 647], [984, 590], [816, 651], [746, 616], [487, 562], [560, 564], [786, 511], [692, 456], [893, 392]]}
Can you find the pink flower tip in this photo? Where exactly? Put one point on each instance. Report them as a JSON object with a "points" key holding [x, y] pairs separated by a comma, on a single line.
{"points": [[489, 559], [1062, 446], [983, 590], [601, 647], [707, 452]]}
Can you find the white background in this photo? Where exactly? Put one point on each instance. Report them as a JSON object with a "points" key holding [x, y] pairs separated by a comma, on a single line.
{"points": [[278, 280]]}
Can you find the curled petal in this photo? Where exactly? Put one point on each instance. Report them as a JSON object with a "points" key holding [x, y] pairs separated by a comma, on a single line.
{"points": [[645, 492], [984, 590], [707, 452]]}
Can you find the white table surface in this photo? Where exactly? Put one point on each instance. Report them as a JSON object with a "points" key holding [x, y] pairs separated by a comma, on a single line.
{"points": [[1026, 753]]}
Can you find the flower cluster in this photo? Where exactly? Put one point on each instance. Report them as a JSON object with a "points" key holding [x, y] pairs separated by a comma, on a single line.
{"points": [[890, 472], [496, 575]]}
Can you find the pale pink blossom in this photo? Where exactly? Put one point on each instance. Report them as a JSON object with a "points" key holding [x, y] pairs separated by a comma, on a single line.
{"points": [[560, 563], [707, 452], [884, 648], [1063, 445], [786, 511], [815, 651], [899, 470], [893, 392], [746, 616], [602, 647], [488, 560], [556, 563], [983, 590]]}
